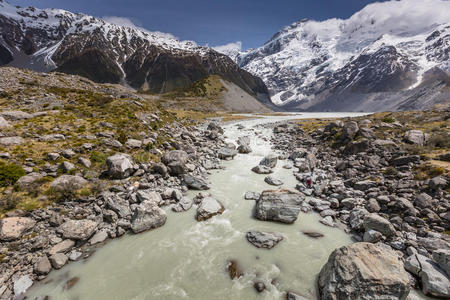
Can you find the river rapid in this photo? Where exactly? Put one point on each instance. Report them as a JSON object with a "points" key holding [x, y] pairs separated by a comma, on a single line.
{"points": [[186, 259]]}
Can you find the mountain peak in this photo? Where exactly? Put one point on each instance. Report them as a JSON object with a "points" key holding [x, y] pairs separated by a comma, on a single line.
{"points": [[308, 58]]}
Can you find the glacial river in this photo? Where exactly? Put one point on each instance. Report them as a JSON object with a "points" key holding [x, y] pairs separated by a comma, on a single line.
{"points": [[186, 259]]}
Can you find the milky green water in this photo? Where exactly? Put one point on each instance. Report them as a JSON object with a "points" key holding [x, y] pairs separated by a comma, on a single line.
{"points": [[186, 259]]}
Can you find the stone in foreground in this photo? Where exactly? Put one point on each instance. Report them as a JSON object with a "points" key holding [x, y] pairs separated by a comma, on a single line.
{"points": [[363, 271], [120, 166], [147, 216], [195, 183], [279, 205], [78, 229], [269, 161], [434, 280], [12, 228], [208, 208], [266, 240]]}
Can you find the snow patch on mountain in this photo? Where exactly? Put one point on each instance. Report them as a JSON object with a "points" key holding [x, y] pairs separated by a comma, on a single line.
{"points": [[293, 61]]}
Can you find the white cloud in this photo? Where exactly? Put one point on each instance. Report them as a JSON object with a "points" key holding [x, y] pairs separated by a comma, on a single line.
{"points": [[121, 21], [230, 49]]}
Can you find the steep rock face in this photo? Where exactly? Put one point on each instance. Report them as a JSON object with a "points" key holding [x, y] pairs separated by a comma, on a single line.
{"points": [[397, 51], [54, 39]]}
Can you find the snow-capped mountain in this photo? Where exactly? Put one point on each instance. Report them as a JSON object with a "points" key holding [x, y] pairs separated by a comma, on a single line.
{"points": [[55, 39], [375, 60]]}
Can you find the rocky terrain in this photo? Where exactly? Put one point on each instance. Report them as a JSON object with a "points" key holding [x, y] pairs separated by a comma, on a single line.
{"points": [[389, 56], [54, 39], [385, 180], [82, 162]]}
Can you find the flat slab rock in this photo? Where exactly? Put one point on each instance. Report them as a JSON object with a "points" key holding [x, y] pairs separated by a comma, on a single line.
{"points": [[78, 229], [266, 240], [12, 228]]}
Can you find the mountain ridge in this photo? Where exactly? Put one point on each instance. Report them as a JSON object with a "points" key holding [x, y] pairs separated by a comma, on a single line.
{"points": [[386, 47], [55, 39]]}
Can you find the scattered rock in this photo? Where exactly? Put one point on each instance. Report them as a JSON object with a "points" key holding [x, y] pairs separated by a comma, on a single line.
{"points": [[269, 161], [313, 234], [78, 229], [266, 240], [13, 228], [22, 284], [208, 208], [99, 237], [380, 224], [147, 216], [120, 166], [262, 170], [234, 269], [195, 183], [42, 266], [58, 260], [273, 181]]}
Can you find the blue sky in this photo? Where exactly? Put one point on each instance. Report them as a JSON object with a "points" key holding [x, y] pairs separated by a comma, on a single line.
{"points": [[212, 22]]}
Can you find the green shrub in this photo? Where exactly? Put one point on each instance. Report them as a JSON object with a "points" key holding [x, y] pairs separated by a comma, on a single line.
{"points": [[388, 119], [10, 173], [439, 140], [9, 201]]}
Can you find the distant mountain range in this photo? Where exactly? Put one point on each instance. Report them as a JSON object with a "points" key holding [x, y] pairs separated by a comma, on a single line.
{"points": [[388, 56], [55, 39]]}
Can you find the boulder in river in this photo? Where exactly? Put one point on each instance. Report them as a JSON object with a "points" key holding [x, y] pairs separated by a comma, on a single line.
{"points": [[262, 170], [273, 181], [208, 208], [234, 269], [147, 215], [266, 240], [313, 234], [279, 205], [226, 153], [269, 161], [244, 149], [195, 183], [363, 271]]}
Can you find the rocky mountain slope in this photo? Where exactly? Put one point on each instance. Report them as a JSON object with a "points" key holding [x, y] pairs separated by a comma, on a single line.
{"points": [[388, 56], [54, 39]]}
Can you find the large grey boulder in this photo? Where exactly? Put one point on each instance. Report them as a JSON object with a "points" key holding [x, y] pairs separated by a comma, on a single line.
{"points": [[266, 240], [61, 247], [117, 204], [215, 127], [28, 180], [226, 153], [146, 216], [120, 166], [65, 182], [11, 141], [374, 221], [244, 149], [175, 161], [208, 208], [442, 258], [15, 115], [78, 229], [243, 140], [269, 161], [279, 205], [434, 280], [195, 183], [149, 195], [363, 271], [415, 137], [13, 228], [350, 129]]}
